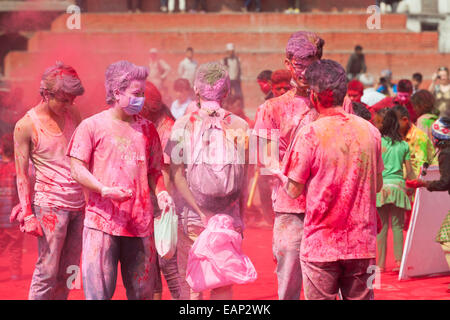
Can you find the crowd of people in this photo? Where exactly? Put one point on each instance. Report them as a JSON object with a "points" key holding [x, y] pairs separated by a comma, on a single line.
{"points": [[333, 155]]}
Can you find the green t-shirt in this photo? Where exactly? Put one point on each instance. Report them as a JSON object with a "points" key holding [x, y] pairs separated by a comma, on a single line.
{"points": [[393, 157]]}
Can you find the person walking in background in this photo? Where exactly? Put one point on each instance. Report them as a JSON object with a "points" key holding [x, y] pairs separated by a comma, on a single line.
{"points": [[392, 200], [336, 163], [11, 239], [440, 87], [183, 93], [188, 66], [55, 213], [356, 63], [233, 65], [423, 103]]}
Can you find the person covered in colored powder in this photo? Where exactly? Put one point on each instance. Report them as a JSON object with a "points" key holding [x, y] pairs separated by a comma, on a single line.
{"points": [[276, 123], [441, 139], [208, 190], [402, 98], [265, 83], [56, 212], [159, 114], [116, 155], [281, 82], [393, 200], [11, 239], [423, 103], [336, 162]]}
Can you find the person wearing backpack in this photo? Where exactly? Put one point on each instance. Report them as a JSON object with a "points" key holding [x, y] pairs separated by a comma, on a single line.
{"points": [[208, 150]]}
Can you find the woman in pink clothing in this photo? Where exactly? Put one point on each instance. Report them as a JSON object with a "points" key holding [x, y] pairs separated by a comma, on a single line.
{"points": [[56, 212]]}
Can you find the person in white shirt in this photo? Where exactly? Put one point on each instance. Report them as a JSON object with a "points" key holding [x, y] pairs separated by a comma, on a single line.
{"points": [[188, 66], [183, 93], [233, 65]]}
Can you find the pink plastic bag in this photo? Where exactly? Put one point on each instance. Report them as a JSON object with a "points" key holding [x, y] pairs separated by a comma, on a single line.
{"points": [[216, 258]]}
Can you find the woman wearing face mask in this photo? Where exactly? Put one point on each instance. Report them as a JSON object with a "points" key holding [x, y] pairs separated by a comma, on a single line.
{"points": [[116, 155], [441, 140], [440, 87]]}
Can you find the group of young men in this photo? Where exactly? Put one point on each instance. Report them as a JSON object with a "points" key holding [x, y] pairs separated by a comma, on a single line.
{"points": [[327, 170]]}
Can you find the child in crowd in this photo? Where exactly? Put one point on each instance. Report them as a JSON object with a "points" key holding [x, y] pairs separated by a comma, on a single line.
{"points": [[11, 239], [393, 200]]}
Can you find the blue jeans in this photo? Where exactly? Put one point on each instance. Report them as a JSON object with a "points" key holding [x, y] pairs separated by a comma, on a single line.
{"points": [[101, 254], [287, 238], [58, 249], [257, 3], [169, 268]]}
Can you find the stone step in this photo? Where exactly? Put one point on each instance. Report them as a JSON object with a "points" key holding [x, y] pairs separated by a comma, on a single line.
{"points": [[122, 22], [215, 41], [20, 64]]}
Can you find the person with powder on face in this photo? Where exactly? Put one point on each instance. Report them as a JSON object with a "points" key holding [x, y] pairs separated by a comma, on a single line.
{"points": [[276, 122], [212, 85], [336, 162], [56, 211], [116, 155], [159, 114]]}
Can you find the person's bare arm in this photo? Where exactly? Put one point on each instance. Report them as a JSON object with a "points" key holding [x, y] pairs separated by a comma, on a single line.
{"points": [[410, 175], [379, 182], [182, 186], [22, 146], [81, 174], [294, 189]]}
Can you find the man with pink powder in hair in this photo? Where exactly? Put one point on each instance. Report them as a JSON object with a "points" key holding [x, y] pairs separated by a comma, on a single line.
{"points": [[117, 156], [276, 122], [56, 211], [337, 161]]}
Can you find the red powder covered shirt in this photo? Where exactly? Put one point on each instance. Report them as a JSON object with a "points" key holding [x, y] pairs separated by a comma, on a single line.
{"points": [[338, 158], [277, 120], [119, 154]]}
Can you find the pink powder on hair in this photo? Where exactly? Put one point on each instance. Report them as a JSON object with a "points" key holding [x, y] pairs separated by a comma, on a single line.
{"points": [[304, 44]]}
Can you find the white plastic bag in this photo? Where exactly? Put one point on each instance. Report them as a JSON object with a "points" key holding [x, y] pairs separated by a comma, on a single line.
{"points": [[166, 233]]}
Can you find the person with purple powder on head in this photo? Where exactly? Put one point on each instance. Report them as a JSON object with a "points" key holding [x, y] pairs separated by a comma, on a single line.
{"points": [[117, 156], [276, 122], [208, 183], [55, 212], [336, 162]]}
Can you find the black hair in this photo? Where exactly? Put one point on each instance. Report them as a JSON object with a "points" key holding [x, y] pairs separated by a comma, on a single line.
{"points": [[264, 75], [360, 110], [391, 126], [401, 110], [404, 85], [417, 76], [190, 49], [358, 47]]}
